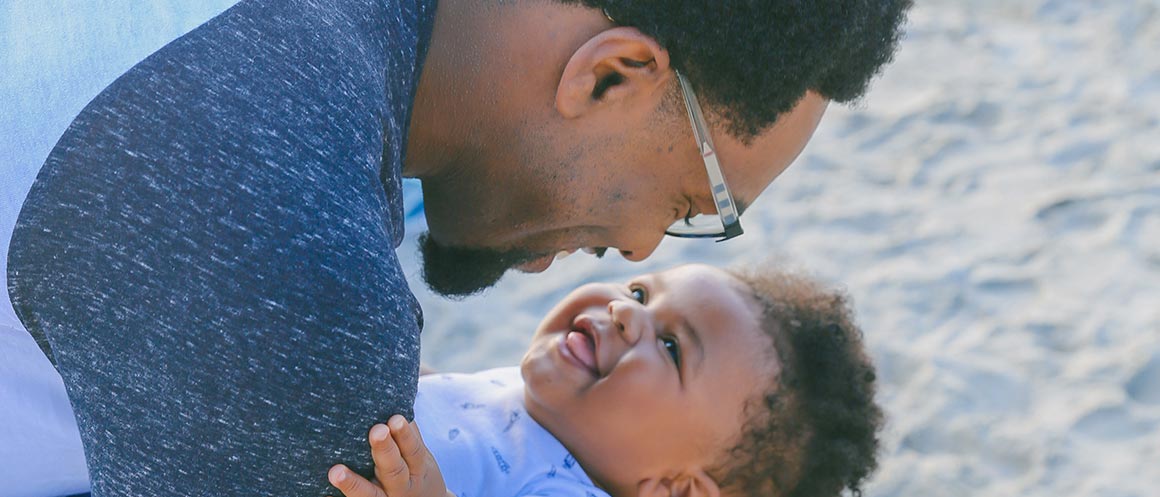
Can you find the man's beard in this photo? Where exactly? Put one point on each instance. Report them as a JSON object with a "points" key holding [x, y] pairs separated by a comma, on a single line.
{"points": [[461, 272]]}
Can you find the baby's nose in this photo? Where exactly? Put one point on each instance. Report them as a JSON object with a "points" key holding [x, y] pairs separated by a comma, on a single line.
{"points": [[628, 318]]}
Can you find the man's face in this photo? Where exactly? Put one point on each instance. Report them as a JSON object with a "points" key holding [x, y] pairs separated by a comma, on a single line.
{"points": [[612, 181], [651, 375]]}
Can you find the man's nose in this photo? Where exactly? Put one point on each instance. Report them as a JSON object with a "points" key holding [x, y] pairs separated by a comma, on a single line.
{"points": [[630, 319], [645, 249]]}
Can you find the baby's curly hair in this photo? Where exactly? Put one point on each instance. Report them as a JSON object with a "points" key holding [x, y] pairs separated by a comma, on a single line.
{"points": [[814, 433], [752, 60]]}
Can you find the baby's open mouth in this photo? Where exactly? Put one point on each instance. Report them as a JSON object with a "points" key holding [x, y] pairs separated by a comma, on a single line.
{"points": [[580, 344]]}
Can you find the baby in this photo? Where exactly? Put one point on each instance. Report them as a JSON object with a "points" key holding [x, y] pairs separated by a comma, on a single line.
{"points": [[692, 382]]}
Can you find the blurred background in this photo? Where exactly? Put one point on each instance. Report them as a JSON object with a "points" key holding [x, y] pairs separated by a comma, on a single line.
{"points": [[993, 207]]}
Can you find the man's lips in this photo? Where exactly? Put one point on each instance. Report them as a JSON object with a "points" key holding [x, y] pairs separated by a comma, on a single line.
{"points": [[543, 263], [578, 348], [538, 265]]}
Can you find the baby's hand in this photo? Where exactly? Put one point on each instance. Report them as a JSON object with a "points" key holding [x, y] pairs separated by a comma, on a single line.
{"points": [[403, 465]]}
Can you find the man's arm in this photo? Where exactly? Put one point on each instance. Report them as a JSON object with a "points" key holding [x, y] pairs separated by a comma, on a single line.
{"points": [[210, 252]]}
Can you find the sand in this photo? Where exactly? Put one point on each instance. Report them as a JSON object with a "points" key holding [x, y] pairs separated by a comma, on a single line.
{"points": [[993, 206]]}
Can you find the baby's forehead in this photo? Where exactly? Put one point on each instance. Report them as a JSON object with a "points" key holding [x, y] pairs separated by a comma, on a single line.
{"points": [[735, 324], [700, 278], [711, 285]]}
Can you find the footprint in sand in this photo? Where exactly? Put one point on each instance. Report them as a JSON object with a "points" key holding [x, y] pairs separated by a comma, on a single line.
{"points": [[1144, 386], [1108, 423], [1071, 214]]}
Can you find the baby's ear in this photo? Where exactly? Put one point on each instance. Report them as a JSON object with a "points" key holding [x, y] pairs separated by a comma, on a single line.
{"points": [[694, 483]]}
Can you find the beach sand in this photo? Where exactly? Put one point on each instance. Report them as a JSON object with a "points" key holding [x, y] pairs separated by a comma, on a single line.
{"points": [[993, 206]]}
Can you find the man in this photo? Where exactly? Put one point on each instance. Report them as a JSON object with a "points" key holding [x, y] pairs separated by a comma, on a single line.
{"points": [[208, 253]]}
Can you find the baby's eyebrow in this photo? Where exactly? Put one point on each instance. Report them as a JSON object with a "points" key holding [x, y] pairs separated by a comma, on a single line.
{"points": [[695, 336]]}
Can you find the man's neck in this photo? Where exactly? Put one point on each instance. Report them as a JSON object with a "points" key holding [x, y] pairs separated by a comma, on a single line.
{"points": [[440, 117]]}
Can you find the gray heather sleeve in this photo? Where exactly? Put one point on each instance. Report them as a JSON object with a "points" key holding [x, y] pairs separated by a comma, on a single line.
{"points": [[209, 251]]}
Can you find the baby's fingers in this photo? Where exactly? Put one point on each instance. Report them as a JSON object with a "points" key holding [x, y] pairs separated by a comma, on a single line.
{"points": [[390, 468], [351, 484], [410, 443]]}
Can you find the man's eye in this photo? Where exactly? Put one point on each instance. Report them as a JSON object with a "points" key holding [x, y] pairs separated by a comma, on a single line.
{"points": [[638, 294], [673, 348]]}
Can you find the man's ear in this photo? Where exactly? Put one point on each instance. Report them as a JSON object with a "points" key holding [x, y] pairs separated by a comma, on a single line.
{"points": [[615, 65], [695, 483]]}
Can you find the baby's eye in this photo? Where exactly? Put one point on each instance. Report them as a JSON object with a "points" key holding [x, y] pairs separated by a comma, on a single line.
{"points": [[638, 294], [673, 348]]}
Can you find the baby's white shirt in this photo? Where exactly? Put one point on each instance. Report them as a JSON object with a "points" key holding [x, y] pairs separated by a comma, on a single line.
{"points": [[486, 445]]}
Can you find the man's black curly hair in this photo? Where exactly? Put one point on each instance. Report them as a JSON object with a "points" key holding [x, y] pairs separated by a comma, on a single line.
{"points": [[751, 60], [815, 432]]}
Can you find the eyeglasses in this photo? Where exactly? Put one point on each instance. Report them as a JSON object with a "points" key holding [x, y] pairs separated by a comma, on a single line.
{"points": [[726, 224]]}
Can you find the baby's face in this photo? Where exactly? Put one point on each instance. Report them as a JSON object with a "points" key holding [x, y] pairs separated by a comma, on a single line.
{"points": [[649, 376]]}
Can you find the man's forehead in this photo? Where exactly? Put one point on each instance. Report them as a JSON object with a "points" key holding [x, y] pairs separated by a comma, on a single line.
{"points": [[749, 168], [741, 204]]}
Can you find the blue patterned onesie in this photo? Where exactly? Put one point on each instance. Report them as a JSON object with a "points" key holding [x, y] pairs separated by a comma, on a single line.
{"points": [[486, 444]]}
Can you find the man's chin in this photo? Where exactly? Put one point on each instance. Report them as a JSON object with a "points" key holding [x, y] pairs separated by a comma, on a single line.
{"points": [[459, 272]]}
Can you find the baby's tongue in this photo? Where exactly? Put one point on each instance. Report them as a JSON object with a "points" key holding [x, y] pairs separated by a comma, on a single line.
{"points": [[581, 346]]}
